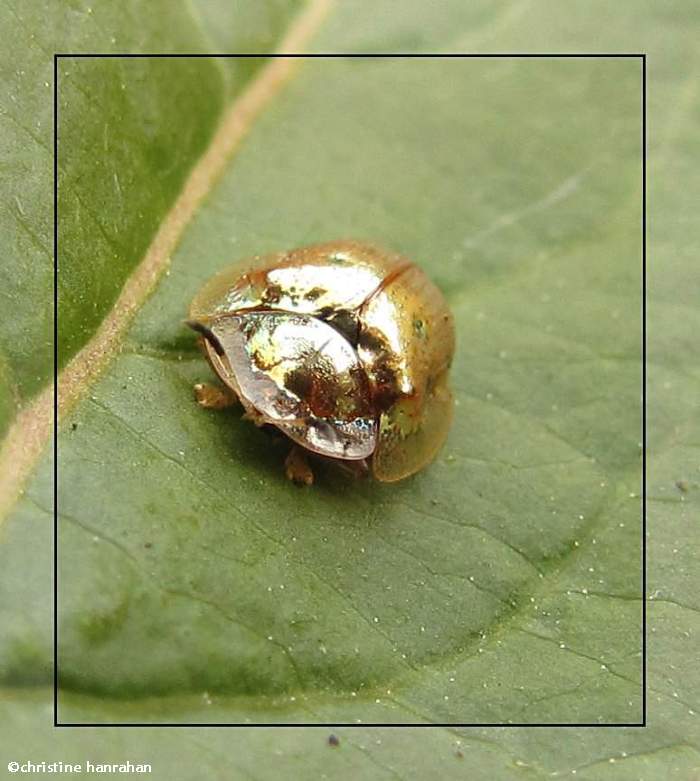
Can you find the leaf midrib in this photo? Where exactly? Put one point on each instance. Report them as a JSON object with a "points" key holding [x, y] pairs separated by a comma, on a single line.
{"points": [[31, 429]]}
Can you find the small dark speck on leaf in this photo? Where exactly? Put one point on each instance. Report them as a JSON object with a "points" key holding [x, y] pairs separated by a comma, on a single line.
{"points": [[459, 754], [333, 740], [148, 545], [73, 426], [682, 486]]}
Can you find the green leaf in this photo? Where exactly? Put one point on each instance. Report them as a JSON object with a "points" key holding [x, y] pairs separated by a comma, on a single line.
{"points": [[150, 119], [500, 584], [130, 131], [178, 523]]}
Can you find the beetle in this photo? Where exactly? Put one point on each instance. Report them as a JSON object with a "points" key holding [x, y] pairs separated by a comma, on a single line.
{"points": [[344, 347]]}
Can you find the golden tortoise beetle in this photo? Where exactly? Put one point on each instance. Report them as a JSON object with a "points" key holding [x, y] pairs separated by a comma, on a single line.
{"points": [[342, 346]]}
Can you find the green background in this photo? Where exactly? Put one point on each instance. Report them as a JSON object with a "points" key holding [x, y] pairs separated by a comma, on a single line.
{"points": [[502, 583]]}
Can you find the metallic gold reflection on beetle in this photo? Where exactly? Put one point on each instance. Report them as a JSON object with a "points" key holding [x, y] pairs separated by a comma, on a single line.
{"points": [[343, 346]]}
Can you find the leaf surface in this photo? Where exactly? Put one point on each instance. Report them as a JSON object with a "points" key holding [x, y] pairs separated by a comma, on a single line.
{"points": [[130, 131], [501, 584]]}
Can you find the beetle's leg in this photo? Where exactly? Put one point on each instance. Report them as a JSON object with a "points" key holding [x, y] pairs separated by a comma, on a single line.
{"points": [[297, 468], [254, 416], [214, 396], [357, 469]]}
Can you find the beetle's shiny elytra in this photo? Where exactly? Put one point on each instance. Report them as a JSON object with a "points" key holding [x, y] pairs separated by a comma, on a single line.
{"points": [[342, 346]]}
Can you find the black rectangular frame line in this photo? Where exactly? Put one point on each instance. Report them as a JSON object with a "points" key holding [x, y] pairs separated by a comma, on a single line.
{"points": [[398, 55]]}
